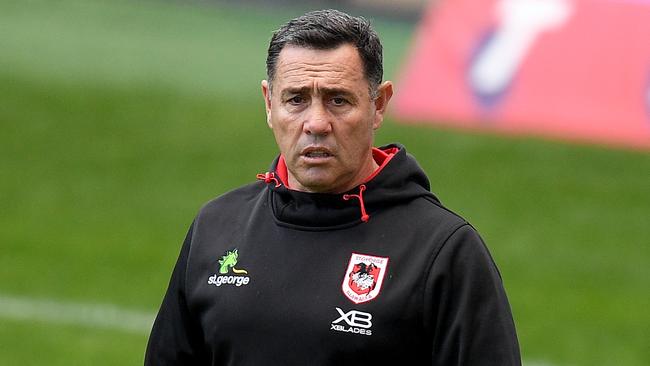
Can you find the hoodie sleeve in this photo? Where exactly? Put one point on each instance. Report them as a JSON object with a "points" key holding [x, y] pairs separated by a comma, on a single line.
{"points": [[176, 337], [470, 317]]}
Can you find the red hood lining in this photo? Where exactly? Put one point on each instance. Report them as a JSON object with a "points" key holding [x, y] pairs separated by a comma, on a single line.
{"points": [[381, 157]]}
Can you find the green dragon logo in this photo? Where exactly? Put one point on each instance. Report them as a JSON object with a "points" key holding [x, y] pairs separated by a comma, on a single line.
{"points": [[229, 261]]}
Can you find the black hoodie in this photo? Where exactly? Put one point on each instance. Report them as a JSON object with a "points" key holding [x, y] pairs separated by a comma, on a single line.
{"points": [[381, 275]]}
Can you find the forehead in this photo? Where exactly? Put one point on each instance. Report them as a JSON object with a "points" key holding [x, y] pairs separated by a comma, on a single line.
{"points": [[305, 67]]}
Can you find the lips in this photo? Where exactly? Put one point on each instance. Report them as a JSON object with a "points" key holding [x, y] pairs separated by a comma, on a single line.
{"points": [[316, 152]]}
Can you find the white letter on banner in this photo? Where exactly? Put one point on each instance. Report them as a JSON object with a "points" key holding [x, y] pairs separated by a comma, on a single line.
{"points": [[521, 23]]}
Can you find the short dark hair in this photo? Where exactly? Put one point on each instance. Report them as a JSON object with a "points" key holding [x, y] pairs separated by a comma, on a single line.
{"points": [[329, 29]]}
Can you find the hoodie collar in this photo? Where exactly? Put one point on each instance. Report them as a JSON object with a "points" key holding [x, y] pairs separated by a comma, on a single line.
{"points": [[398, 179]]}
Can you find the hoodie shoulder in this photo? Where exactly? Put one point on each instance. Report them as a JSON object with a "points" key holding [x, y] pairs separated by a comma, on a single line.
{"points": [[234, 199], [442, 211], [435, 217]]}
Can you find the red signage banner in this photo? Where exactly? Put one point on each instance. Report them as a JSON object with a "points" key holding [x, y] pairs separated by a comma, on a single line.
{"points": [[571, 69]]}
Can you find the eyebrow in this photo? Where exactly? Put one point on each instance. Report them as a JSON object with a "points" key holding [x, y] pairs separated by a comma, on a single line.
{"points": [[324, 90]]}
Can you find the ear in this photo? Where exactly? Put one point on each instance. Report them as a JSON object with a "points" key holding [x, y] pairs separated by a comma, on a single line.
{"points": [[384, 93], [266, 92]]}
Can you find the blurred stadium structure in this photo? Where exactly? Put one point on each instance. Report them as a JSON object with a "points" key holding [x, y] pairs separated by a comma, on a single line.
{"points": [[568, 69]]}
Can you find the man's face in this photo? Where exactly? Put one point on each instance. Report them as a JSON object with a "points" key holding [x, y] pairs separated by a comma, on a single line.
{"points": [[323, 117]]}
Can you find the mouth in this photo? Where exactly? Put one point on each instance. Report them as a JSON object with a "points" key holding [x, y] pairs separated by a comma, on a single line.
{"points": [[316, 153]]}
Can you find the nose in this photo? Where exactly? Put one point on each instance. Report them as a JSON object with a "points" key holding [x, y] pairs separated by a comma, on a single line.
{"points": [[318, 121]]}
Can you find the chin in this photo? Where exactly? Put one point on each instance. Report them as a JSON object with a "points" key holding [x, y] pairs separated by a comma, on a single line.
{"points": [[317, 185]]}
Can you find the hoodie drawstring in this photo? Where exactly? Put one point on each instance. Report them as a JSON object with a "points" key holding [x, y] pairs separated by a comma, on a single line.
{"points": [[364, 215], [269, 177]]}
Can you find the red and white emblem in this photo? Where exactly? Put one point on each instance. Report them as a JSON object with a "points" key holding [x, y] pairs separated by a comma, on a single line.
{"points": [[363, 278]]}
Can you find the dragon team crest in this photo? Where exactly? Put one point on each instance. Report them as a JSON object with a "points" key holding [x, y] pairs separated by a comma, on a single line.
{"points": [[363, 278]]}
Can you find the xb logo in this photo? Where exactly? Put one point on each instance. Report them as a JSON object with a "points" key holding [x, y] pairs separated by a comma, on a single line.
{"points": [[354, 322], [354, 318]]}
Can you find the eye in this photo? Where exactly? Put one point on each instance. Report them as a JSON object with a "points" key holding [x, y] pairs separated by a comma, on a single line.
{"points": [[296, 100], [339, 101]]}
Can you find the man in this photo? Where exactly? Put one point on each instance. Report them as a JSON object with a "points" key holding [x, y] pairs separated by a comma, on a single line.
{"points": [[339, 255]]}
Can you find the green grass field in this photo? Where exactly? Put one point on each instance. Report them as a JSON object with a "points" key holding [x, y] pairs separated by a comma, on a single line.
{"points": [[119, 119]]}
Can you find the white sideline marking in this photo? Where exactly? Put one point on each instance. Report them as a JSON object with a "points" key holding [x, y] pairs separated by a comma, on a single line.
{"points": [[103, 316]]}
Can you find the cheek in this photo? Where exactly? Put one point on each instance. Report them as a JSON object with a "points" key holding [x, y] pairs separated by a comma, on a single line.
{"points": [[359, 134], [356, 143], [286, 133]]}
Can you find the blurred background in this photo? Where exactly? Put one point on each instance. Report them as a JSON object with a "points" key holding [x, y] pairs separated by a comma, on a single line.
{"points": [[119, 119]]}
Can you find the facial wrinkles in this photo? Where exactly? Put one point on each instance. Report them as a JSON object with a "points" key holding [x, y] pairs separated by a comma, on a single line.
{"points": [[308, 74], [317, 79]]}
